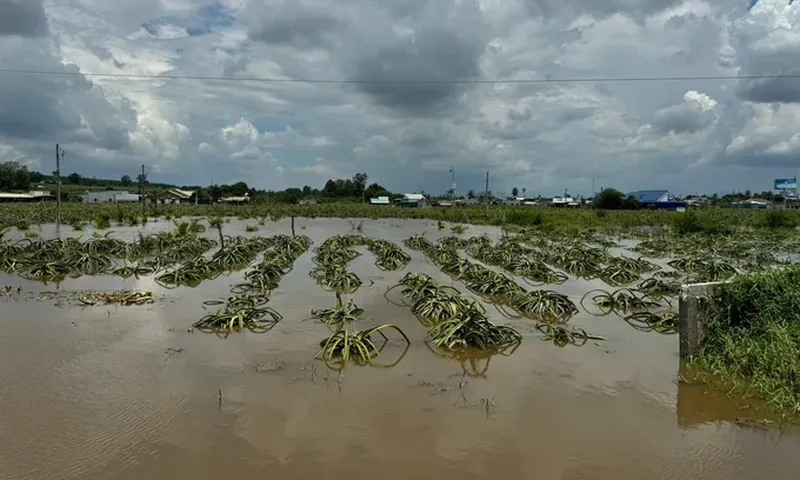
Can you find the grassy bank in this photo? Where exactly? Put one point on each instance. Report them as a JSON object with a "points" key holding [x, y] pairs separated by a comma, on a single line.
{"points": [[753, 344], [712, 221]]}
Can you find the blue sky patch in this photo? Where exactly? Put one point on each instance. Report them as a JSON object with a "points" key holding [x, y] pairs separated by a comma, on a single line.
{"points": [[204, 20]]}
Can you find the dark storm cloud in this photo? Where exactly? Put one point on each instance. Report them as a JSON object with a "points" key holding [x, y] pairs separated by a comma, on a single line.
{"points": [[32, 106], [430, 56], [764, 49], [599, 8], [69, 107], [780, 90], [25, 18], [769, 58], [755, 158], [295, 24]]}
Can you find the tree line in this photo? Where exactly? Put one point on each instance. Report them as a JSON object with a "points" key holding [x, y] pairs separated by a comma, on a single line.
{"points": [[15, 177]]}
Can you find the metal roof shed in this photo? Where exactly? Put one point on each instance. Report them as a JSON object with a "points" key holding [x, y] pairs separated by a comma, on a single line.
{"points": [[651, 196]]}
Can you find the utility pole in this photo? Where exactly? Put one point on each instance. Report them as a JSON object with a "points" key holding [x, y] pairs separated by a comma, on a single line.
{"points": [[142, 179], [59, 155], [486, 193], [453, 185]]}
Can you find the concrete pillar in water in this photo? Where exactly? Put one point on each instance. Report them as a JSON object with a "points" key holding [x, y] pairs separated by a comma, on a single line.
{"points": [[692, 317]]}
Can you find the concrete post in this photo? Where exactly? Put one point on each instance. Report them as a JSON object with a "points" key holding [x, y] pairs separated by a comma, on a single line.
{"points": [[691, 322]]}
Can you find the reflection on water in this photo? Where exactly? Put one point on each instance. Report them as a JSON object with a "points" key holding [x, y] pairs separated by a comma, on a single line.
{"points": [[128, 393]]}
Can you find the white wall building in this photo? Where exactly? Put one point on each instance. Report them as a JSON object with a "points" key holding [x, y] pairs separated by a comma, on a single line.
{"points": [[110, 196]]}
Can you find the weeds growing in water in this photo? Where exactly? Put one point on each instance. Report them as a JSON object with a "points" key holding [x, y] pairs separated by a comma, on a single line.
{"points": [[102, 221], [619, 301], [665, 322], [562, 336]]}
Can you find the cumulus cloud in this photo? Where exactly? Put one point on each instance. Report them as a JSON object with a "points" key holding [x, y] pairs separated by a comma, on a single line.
{"points": [[64, 107], [423, 85], [696, 113], [767, 42]]}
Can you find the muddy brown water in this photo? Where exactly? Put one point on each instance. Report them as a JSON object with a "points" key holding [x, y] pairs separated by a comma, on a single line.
{"points": [[107, 393]]}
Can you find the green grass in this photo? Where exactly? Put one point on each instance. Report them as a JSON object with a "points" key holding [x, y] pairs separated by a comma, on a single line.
{"points": [[753, 339]]}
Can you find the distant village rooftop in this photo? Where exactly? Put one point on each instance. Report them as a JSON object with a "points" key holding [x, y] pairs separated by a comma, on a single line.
{"points": [[32, 196]]}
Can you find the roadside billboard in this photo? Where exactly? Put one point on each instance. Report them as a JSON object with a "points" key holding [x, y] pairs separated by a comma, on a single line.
{"points": [[786, 184]]}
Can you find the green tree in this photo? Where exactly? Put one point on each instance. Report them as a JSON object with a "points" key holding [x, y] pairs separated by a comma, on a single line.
{"points": [[609, 199], [291, 195], [238, 189], [331, 189], [359, 184], [631, 203], [126, 181], [14, 176], [215, 192], [376, 190], [515, 192], [471, 194], [74, 179]]}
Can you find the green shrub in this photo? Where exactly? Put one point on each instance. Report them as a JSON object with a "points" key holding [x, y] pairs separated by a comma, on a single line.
{"points": [[779, 219], [691, 222], [753, 337]]}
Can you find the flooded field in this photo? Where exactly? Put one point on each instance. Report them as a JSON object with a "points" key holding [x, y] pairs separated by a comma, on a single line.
{"points": [[101, 392]]}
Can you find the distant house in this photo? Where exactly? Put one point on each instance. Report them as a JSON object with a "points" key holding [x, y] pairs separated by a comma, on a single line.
{"points": [[382, 200], [658, 199], [792, 203], [110, 196], [412, 200], [565, 202], [698, 201], [175, 195], [753, 203], [236, 200], [33, 196]]}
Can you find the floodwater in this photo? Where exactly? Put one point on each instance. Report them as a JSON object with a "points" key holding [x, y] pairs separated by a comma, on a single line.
{"points": [[107, 393]]}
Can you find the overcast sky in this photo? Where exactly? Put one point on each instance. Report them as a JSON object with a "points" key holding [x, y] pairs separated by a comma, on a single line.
{"points": [[687, 136]]}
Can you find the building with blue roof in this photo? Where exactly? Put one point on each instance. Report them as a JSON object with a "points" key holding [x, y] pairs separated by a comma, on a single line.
{"points": [[658, 199]]}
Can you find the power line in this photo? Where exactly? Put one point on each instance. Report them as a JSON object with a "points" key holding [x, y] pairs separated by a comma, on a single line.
{"points": [[134, 76]]}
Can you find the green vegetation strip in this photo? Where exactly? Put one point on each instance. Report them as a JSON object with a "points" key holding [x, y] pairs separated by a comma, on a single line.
{"points": [[712, 221], [752, 345]]}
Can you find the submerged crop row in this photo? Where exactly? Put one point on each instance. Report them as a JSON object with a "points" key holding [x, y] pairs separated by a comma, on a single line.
{"points": [[345, 342], [248, 309]]}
